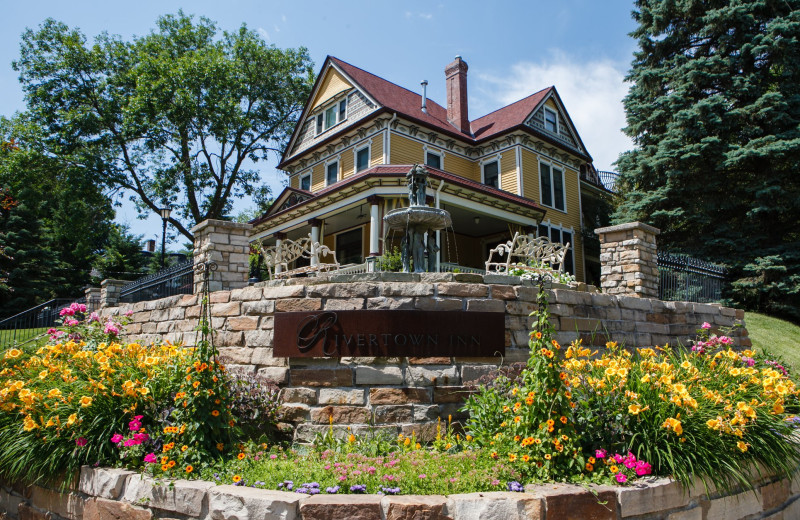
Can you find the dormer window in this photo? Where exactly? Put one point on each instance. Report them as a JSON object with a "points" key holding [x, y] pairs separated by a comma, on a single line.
{"points": [[550, 120], [491, 174], [305, 182], [332, 116]]}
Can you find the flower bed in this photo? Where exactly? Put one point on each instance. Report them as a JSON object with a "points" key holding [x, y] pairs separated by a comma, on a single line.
{"points": [[568, 415]]}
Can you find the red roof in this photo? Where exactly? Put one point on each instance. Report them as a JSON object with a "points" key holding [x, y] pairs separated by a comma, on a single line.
{"points": [[507, 117], [394, 98]]}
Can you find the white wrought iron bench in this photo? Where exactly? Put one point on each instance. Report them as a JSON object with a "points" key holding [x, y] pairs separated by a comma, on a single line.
{"points": [[278, 258], [538, 255]]}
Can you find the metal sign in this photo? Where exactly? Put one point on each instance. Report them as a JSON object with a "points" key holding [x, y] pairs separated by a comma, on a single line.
{"points": [[389, 333]]}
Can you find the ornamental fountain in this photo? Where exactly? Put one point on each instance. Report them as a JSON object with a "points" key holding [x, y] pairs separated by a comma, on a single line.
{"points": [[418, 222]]}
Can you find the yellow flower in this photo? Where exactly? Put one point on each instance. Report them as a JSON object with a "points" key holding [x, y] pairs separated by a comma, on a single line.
{"points": [[547, 456], [71, 419], [54, 393], [512, 457], [237, 478], [351, 438], [85, 401], [220, 446], [29, 424], [184, 447], [742, 446], [614, 470], [13, 353]]}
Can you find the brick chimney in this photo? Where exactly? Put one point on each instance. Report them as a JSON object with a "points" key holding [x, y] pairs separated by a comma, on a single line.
{"points": [[457, 113]]}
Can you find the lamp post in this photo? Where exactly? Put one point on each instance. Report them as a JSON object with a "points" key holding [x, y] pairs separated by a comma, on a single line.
{"points": [[164, 217]]}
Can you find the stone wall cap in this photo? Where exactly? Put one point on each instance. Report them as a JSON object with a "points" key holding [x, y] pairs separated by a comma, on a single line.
{"points": [[222, 224], [114, 282], [628, 226]]}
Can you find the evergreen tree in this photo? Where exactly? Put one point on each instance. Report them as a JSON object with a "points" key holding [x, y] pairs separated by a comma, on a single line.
{"points": [[714, 112]]}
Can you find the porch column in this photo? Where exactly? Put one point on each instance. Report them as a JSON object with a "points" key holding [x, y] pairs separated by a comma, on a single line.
{"points": [[374, 225], [315, 224], [278, 241]]}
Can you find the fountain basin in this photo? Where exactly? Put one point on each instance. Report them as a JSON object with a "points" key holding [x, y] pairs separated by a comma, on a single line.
{"points": [[418, 217]]}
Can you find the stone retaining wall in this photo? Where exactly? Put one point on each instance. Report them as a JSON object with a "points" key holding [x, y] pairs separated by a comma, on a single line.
{"points": [[113, 494], [406, 394]]}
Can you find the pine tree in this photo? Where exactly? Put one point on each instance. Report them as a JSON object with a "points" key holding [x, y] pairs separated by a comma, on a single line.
{"points": [[714, 112]]}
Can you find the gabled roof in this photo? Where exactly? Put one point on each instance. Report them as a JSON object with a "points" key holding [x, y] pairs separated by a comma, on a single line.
{"points": [[393, 98]]}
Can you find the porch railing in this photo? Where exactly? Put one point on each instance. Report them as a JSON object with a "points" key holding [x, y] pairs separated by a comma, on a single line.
{"points": [[177, 279], [683, 278]]}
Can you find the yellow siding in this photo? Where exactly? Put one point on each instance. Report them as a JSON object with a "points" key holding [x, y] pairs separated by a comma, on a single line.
{"points": [[347, 163], [318, 177], [404, 150], [572, 218], [330, 241], [530, 175], [295, 182], [508, 171], [551, 104], [462, 167], [376, 150], [330, 86]]}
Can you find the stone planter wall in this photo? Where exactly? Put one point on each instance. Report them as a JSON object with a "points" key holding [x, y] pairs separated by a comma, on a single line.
{"points": [[406, 394], [106, 494]]}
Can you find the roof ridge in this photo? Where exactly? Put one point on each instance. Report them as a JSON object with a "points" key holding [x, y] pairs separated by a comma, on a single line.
{"points": [[514, 103], [334, 58]]}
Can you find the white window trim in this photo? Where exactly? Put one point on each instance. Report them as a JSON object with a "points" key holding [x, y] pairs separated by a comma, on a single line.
{"points": [[487, 160], [553, 167], [358, 148], [338, 171], [544, 116], [435, 151], [336, 108], [303, 176], [561, 229]]}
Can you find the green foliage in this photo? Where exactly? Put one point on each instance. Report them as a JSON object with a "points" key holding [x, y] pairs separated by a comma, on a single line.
{"points": [[178, 115], [777, 338], [714, 113], [121, 257], [58, 221], [391, 261]]}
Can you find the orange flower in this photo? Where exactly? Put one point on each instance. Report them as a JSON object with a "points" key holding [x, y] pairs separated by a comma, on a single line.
{"points": [[220, 446], [237, 478], [164, 467], [241, 456], [512, 457], [171, 464], [189, 468], [547, 456], [164, 460], [196, 384], [184, 447], [563, 419], [215, 413], [589, 467], [526, 458]]}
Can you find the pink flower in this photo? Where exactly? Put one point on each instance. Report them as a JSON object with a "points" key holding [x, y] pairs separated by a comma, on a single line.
{"points": [[117, 438], [621, 478], [78, 307], [423, 475], [129, 314], [600, 454], [135, 424], [71, 323], [141, 437], [52, 331], [67, 311], [643, 468], [150, 457], [130, 442], [94, 317], [81, 441], [618, 458], [705, 325], [111, 328]]}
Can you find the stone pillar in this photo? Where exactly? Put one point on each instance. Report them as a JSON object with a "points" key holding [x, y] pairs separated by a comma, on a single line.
{"points": [[315, 224], [93, 295], [278, 241], [628, 260], [374, 225], [227, 244], [110, 291]]}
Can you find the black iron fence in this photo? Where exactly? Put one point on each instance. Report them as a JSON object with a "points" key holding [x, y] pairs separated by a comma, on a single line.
{"points": [[33, 323], [683, 278], [177, 279]]}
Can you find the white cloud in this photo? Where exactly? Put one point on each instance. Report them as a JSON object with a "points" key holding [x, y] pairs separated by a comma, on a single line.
{"points": [[592, 93], [283, 18], [277, 29], [264, 34]]}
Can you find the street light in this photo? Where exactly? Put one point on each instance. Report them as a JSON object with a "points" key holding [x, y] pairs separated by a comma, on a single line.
{"points": [[164, 217]]}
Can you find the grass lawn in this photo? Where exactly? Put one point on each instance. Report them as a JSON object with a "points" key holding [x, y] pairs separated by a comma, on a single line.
{"points": [[8, 338], [776, 336]]}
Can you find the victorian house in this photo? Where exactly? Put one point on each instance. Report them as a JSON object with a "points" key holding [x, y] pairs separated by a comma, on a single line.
{"points": [[518, 169]]}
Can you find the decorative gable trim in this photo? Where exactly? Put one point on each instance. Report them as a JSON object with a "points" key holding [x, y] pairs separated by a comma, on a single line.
{"points": [[322, 86], [567, 133]]}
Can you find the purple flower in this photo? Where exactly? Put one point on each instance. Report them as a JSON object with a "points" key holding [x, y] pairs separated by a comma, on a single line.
{"points": [[358, 488], [516, 486], [332, 490], [391, 490]]}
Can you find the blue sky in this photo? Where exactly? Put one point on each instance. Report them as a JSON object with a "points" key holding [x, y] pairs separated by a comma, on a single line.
{"points": [[513, 49]]}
